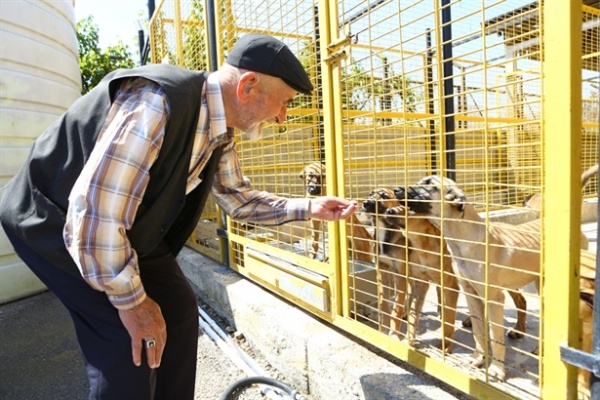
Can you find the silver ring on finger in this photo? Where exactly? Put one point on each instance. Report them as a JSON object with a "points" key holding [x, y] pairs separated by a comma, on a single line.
{"points": [[150, 343]]}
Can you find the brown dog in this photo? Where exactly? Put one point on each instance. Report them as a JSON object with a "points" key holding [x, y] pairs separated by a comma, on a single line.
{"points": [[425, 266], [390, 258], [482, 253], [360, 241]]}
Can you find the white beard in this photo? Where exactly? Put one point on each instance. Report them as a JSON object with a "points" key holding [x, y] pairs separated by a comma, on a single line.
{"points": [[254, 133]]}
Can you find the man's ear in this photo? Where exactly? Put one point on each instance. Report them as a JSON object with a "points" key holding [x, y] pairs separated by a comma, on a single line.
{"points": [[247, 83]]}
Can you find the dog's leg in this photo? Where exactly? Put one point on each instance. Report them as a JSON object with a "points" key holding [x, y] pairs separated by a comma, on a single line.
{"points": [[448, 317], [416, 299], [438, 291], [382, 272], [315, 234], [521, 324], [399, 277], [475, 305], [521, 305], [496, 320], [359, 240]]}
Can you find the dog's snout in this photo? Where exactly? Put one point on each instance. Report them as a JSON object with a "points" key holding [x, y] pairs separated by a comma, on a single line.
{"points": [[418, 199], [313, 190], [417, 193], [368, 206]]}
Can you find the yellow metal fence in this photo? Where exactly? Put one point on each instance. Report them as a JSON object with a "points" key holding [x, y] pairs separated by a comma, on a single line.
{"points": [[476, 91]]}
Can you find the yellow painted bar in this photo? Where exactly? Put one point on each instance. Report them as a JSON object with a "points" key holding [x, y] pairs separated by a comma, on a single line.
{"points": [[332, 118], [561, 127], [178, 35]]}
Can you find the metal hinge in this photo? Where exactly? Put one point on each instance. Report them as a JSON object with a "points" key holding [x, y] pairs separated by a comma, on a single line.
{"points": [[339, 49]]}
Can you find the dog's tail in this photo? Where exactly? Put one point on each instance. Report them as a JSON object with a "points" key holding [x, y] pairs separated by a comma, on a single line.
{"points": [[587, 175], [534, 200]]}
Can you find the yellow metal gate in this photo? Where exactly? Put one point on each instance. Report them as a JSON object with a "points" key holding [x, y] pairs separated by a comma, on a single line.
{"points": [[480, 92]]}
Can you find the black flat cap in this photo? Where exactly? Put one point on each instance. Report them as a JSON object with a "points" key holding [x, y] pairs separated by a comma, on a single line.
{"points": [[265, 54]]}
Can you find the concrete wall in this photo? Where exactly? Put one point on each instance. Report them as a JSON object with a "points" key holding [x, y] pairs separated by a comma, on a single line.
{"points": [[39, 79]]}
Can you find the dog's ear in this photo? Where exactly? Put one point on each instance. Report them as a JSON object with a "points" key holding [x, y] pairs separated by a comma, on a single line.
{"points": [[458, 200], [400, 193], [525, 202], [302, 174]]}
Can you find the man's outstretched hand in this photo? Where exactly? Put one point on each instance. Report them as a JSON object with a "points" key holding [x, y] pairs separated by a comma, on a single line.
{"points": [[331, 208]]}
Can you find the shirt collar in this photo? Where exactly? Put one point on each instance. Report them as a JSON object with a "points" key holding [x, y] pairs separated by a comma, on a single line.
{"points": [[216, 109]]}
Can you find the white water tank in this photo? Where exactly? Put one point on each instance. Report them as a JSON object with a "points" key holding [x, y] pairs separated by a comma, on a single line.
{"points": [[39, 80]]}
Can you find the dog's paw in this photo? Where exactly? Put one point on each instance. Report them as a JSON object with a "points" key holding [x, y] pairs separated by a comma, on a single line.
{"points": [[496, 371], [447, 348], [514, 334], [466, 323], [395, 334], [476, 360]]}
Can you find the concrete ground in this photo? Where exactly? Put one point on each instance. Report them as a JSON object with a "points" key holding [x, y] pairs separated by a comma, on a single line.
{"points": [[39, 356]]}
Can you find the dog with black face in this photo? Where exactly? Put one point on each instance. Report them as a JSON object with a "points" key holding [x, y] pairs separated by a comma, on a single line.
{"points": [[481, 252], [425, 267], [360, 241]]}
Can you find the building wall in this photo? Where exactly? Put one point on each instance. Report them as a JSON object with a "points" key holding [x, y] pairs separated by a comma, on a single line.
{"points": [[39, 79]]}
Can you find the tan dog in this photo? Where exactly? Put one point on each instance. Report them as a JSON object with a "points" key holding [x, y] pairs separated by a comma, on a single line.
{"points": [[510, 249], [360, 241], [587, 277], [424, 267], [518, 299]]}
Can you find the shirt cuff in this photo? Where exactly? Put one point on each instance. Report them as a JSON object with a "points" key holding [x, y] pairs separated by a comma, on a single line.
{"points": [[126, 290], [298, 209]]}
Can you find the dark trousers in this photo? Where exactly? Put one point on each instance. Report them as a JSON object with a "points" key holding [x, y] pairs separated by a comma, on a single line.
{"points": [[104, 341]]}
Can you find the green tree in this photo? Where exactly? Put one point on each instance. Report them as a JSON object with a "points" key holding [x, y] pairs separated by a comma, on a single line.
{"points": [[95, 63]]}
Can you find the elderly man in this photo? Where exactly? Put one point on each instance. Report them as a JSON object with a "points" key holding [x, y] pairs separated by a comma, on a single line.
{"points": [[111, 191]]}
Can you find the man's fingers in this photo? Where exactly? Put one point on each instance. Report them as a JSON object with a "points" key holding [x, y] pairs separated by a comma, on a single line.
{"points": [[147, 329], [154, 351], [136, 348], [348, 211]]}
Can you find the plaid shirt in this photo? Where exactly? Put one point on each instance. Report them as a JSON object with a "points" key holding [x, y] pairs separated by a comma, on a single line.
{"points": [[106, 196]]}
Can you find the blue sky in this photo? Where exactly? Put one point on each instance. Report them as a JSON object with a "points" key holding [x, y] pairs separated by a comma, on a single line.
{"points": [[115, 19]]}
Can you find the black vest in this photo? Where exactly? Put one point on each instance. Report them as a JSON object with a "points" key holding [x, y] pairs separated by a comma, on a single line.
{"points": [[35, 201]]}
